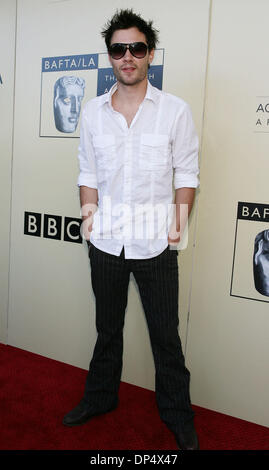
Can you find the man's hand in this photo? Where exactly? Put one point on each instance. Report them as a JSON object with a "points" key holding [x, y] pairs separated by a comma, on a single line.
{"points": [[173, 241], [183, 205], [88, 201], [87, 225], [174, 234]]}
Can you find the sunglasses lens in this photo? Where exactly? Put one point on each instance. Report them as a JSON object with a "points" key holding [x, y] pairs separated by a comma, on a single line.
{"points": [[138, 49], [117, 51]]}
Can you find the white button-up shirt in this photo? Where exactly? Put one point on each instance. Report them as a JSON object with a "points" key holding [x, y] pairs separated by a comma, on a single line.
{"points": [[134, 168]]}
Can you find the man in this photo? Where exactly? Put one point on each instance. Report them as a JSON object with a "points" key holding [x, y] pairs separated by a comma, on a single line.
{"points": [[132, 139]]}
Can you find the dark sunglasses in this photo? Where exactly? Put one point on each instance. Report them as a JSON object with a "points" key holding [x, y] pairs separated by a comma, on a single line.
{"points": [[137, 49]]}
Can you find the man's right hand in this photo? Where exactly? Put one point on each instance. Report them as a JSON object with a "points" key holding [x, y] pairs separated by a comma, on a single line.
{"points": [[86, 227], [88, 201]]}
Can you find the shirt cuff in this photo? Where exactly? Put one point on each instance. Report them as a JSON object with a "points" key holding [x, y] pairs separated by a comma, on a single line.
{"points": [[185, 181], [87, 180]]}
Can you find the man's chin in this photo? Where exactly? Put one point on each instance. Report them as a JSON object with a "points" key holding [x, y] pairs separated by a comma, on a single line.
{"points": [[131, 81]]}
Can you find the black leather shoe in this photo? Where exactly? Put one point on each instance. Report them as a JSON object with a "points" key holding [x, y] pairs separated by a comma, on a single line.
{"points": [[187, 439], [82, 413]]}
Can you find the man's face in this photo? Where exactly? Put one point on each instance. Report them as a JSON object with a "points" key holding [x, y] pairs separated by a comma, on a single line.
{"points": [[67, 107], [129, 70]]}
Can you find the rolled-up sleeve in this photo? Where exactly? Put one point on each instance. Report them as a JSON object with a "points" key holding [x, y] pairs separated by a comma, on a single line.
{"points": [[185, 146], [87, 167]]}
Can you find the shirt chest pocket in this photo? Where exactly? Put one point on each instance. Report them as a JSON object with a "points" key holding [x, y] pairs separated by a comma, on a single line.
{"points": [[105, 151], [154, 152]]}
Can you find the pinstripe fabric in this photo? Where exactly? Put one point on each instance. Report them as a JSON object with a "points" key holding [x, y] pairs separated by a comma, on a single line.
{"points": [[157, 280]]}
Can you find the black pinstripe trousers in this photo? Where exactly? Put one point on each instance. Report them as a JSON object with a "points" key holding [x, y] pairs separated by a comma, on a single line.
{"points": [[157, 280]]}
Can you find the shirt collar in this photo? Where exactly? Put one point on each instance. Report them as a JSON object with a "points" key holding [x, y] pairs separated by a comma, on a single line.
{"points": [[151, 94]]}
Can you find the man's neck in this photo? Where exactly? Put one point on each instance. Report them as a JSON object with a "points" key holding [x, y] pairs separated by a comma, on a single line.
{"points": [[131, 94]]}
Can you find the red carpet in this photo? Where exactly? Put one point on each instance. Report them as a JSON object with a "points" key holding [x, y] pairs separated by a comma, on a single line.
{"points": [[36, 392]]}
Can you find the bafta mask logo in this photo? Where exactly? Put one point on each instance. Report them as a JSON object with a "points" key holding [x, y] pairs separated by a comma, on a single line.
{"points": [[68, 95], [261, 262]]}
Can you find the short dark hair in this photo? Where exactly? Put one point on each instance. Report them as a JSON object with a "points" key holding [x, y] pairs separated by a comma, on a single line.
{"points": [[125, 19]]}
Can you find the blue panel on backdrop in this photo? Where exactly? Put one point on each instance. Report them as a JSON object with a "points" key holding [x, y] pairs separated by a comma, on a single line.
{"points": [[105, 81], [71, 62], [93, 74], [106, 78], [155, 76]]}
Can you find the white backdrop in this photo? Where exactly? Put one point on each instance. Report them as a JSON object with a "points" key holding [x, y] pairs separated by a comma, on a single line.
{"points": [[52, 308], [7, 40], [228, 340]]}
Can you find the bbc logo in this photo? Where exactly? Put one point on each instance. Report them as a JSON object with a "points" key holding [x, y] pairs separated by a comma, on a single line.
{"points": [[51, 226]]}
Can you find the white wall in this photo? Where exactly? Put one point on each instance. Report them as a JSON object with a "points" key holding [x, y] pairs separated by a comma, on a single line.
{"points": [[228, 340], [7, 41]]}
